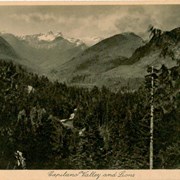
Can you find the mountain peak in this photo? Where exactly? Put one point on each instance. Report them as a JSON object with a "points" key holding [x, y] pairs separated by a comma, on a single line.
{"points": [[77, 42], [49, 36]]}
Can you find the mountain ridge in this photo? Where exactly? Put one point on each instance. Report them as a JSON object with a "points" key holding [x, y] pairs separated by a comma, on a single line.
{"points": [[127, 70], [116, 61], [45, 54], [6, 49], [104, 55]]}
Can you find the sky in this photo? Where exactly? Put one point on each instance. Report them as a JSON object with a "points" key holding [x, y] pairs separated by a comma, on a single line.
{"points": [[88, 21]]}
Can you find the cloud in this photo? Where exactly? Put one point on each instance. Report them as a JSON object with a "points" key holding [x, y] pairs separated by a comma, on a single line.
{"points": [[136, 21], [84, 21], [34, 17]]}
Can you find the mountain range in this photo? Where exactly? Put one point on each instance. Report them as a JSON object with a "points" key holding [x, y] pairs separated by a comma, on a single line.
{"points": [[121, 60], [45, 51], [116, 61]]}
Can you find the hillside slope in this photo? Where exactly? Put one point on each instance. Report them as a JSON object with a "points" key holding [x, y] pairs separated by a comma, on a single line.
{"points": [[103, 56], [163, 49], [46, 51], [108, 63], [6, 51]]}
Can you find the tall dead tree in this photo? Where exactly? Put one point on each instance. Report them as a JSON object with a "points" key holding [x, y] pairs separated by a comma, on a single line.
{"points": [[151, 120]]}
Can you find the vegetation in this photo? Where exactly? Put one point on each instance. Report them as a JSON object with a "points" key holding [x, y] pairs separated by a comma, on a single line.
{"points": [[115, 125]]}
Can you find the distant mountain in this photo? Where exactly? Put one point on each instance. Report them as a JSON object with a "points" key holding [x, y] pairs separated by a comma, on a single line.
{"points": [[52, 40], [162, 49], [77, 42], [116, 61], [45, 50], [8, 53], [50, 36], [6, 50], [103, 56], [121, 60]]}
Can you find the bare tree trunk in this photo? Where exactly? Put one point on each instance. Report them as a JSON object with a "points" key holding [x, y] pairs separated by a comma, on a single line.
{"points": [[151, 121]]}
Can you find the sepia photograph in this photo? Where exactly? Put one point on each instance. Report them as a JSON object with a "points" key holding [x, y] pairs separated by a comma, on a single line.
{"points": [[90, 87]]}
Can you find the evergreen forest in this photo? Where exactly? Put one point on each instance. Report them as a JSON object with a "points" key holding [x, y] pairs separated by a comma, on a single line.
{"points": [[110, 130]]}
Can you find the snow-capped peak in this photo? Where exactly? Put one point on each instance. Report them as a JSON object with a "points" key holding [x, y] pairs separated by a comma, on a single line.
{"points": [[50, 36], [78, 42]]}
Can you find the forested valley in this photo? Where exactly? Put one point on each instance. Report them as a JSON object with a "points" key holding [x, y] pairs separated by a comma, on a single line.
{"points": [[110, 130]]}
